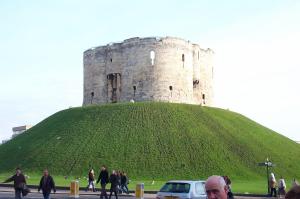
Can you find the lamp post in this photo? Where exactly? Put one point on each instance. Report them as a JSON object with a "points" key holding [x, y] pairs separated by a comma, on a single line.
{"points": [[267, 164]]}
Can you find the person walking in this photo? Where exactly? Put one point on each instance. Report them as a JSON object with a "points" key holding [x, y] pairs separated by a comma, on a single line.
{"points": [[228, 183], [272, 184], [103, 179], [281, 187], [91, 179], [19, 183], [46, 184], [124, 182], [119, 182], [295, 182], [113, 179]]}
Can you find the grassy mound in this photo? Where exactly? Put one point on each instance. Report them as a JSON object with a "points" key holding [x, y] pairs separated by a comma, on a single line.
{"points": [[151, 140]]}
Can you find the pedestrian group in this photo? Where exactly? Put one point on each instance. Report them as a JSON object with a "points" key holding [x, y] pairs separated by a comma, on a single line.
{"points": [[118, 180]]}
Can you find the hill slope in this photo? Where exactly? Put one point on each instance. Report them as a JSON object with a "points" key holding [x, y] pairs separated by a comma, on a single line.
{"points": [[149, 140]]}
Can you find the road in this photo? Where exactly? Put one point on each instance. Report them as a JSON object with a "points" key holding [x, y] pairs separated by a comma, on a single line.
{"points": [[11, 195], [8, 193]]}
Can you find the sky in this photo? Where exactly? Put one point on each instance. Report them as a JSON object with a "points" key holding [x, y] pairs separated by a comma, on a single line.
{"points": [[256, 45]]}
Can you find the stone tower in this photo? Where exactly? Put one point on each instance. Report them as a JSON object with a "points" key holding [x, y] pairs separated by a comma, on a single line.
{"points": [[164, 69]]}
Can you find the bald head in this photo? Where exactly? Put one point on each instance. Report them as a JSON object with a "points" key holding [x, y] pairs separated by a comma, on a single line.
{"points": [[294, 193], [216, 188]]}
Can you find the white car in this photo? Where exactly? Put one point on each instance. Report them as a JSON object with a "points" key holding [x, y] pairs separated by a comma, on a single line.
{"points": [[182, 189]]}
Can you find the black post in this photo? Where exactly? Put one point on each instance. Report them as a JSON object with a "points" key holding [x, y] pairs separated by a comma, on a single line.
{"points": [[268, 177], [268, 164]]}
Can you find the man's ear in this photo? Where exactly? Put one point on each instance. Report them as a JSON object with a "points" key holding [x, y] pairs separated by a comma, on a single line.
{"points": [[226, 188]]}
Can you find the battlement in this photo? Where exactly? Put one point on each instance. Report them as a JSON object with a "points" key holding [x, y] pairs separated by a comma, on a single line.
{"points": [[147, 40]]}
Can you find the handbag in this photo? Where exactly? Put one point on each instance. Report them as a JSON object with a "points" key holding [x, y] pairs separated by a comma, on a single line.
{"points": [[25, 190]]}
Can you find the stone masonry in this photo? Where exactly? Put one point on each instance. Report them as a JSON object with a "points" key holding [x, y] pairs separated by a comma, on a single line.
{"points": [[164, 69]]}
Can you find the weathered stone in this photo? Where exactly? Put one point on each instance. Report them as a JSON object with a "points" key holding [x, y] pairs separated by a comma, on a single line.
{"points": [[148, 69]]}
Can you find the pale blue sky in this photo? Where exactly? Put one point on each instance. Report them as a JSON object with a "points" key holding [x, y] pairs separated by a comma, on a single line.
{"points": [[257, 47]]}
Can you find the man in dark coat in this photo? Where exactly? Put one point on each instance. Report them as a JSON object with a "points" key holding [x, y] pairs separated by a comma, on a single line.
{"points": [[19, 183], [103, 179], [47, 184], [114, 184]]}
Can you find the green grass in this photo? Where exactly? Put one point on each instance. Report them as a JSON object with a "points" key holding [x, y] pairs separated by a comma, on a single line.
{"points": [[158, 141]]}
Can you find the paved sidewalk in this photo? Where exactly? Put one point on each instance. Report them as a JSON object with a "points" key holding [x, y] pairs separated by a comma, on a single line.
{"points": [[59, 191], [89, 193]]}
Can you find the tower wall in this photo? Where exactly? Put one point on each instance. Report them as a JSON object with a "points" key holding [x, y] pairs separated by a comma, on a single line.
{"points": [[148, 69]]}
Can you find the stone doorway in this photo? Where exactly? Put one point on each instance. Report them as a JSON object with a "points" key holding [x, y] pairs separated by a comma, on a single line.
{"points": [[113, 87]]}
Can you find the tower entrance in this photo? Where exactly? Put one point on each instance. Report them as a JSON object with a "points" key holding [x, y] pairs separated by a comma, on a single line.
{"points": [[113, 87]]}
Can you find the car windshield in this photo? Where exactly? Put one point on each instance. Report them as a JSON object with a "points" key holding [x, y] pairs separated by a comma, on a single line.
{"points": [[176, 187]]}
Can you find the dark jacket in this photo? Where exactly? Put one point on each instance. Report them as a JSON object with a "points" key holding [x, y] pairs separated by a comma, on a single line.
{"points": [[19, 181], [47, 184], [119, 179], [124, 180], [103, 177], [113, 179]]}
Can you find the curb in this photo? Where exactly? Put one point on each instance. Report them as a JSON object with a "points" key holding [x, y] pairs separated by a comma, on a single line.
{"points": [[60, 188], [64, 188], [250, 195]]}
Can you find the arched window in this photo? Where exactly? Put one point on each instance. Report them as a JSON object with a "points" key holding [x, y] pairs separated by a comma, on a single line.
{"points": [[92, 97], [171, 90], [134, 90], [203, 98], [152, 57]]}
